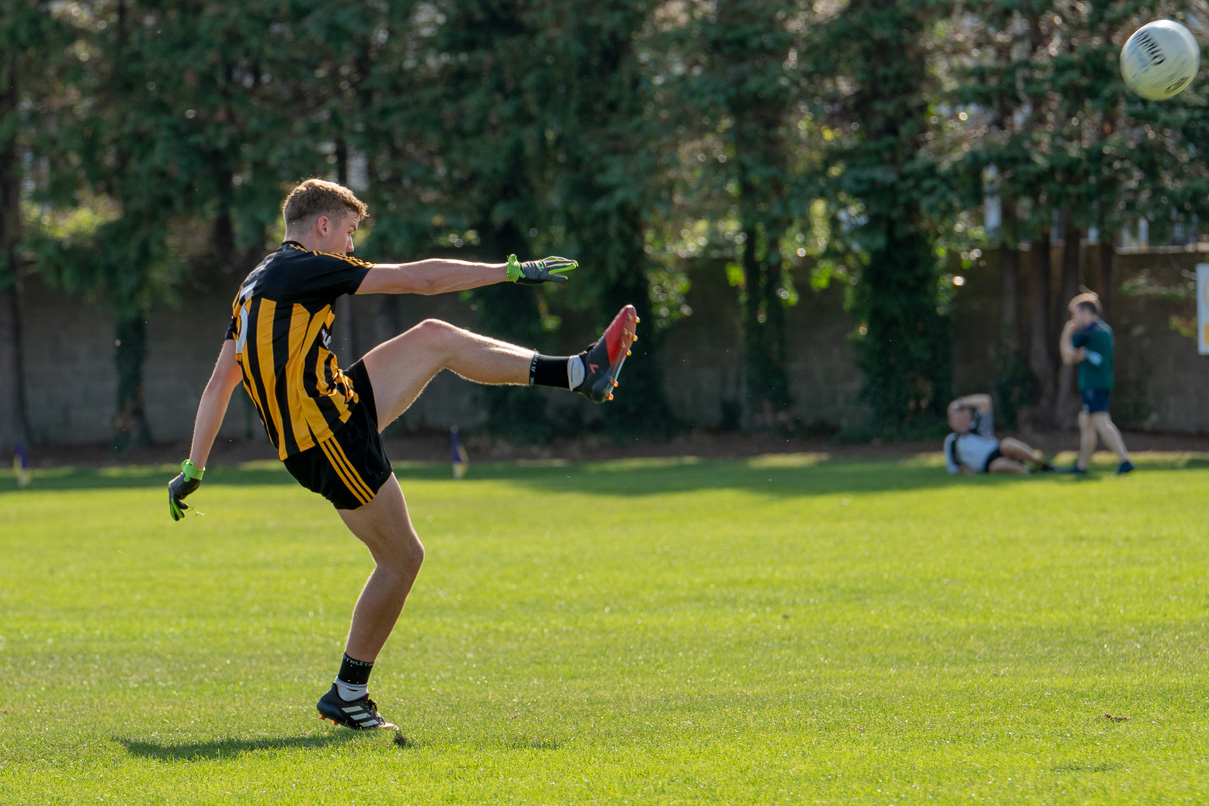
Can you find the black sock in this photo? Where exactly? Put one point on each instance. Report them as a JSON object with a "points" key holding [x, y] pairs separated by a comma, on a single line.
{"points": [[550, 370], [353, 679]]}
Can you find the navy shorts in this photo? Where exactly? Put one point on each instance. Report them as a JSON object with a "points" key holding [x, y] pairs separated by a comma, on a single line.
{"points": [[351, 466], [1095, 400]]}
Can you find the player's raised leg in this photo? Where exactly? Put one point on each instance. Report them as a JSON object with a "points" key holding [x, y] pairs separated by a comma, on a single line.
{"points": [[1003, 464], [1019, 451], [400, 368]]}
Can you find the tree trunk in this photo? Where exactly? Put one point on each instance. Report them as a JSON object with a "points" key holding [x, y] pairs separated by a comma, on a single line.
{"points": [[1041, 348], [1072, 268], [130, 429], [1013, 387], [756, 414], [1106, 271], [17, 382], [10, 236], [1065, 404], [1009, 265]]}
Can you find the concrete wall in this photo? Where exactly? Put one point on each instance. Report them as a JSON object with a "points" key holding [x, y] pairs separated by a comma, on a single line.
{"points": [[71, 383]]}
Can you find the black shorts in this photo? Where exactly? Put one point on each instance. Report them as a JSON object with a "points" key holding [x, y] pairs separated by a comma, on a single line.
{"points": [[351, 466], [995, 454]]}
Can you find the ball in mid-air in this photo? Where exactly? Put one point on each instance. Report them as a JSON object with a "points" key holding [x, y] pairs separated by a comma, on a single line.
{"points": [[1160, 59]]}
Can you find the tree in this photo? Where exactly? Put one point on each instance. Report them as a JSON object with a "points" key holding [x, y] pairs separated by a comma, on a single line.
{"points": [[604, 179], [186, 128], [38, 69], [745, 89], [883, 196], [1045, 115], [487, 122]]}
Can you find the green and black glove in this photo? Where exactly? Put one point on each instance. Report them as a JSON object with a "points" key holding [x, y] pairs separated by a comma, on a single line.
{"points": [[532, 272], [187, 482]]}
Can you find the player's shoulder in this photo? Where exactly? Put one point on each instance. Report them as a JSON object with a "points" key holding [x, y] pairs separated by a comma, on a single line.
{"points": [[301, 253]]}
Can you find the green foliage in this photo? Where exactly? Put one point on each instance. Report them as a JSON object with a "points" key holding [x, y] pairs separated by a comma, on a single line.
{"points": [[601, 175], [145, 142], [1041, 119], [883, 193], [728, 85]]}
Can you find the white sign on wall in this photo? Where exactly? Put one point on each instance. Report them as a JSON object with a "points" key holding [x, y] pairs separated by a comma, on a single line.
{"points": [[1202, 308]]}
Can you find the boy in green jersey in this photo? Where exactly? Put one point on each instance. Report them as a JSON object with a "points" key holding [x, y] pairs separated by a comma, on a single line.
{"points": [[1087, 342]]}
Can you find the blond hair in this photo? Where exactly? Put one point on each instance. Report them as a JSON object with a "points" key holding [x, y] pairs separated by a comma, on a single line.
{"points": [[1088, 299], [317, 197]]}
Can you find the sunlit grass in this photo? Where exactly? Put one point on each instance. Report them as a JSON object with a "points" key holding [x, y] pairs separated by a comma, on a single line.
{"points": [[790, 629]]}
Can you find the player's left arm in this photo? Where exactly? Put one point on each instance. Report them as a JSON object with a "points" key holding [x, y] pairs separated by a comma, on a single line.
{"points": [[441, 276]]}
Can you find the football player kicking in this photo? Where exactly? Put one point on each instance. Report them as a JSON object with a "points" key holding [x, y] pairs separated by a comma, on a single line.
{"points": [[325, 422]]}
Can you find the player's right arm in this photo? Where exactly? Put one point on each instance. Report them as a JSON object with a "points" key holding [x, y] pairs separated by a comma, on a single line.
{"points": [[981, 401], [1066, 343], [226, 376]]}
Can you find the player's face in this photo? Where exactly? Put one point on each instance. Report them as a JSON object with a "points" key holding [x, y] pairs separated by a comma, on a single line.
{"points": [[959, 420], [338, 238]]}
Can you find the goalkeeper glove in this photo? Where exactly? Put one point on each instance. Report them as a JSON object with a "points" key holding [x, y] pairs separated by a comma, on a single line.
{"points": [[187, 482], [547, 270]]}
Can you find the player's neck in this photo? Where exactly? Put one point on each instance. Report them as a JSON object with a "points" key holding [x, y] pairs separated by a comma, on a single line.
{"points": [[302, 240]]}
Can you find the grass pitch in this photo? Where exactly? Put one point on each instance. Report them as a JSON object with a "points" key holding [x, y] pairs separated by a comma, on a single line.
{"points": [[789, 629]]}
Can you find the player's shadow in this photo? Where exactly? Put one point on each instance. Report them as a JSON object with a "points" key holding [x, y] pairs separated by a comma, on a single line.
{"points": [[228, 748]]}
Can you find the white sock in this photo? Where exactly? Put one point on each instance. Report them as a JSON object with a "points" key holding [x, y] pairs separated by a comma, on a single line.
{"points": [[348, 692], [575, 371]]}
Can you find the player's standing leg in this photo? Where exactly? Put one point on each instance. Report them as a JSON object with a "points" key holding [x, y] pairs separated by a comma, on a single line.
{"points": [[386, 529], [1107, 429], [1087, 442]]}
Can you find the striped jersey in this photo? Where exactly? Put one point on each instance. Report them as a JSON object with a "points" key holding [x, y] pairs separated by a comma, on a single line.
{"points": [[281, 322]]}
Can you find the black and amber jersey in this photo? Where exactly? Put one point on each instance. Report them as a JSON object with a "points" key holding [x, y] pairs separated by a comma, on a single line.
{"points": [[281, 323]]}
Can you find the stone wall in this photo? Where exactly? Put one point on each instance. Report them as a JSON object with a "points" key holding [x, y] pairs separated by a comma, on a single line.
{"points": [[71, 383]]}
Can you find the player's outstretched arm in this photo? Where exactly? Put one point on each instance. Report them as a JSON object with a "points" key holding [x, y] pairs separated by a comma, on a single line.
{"points": [[439, 276], [210, 412]]}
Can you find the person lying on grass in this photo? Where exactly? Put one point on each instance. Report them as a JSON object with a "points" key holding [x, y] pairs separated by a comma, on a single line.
{"points": [[973, 447]]}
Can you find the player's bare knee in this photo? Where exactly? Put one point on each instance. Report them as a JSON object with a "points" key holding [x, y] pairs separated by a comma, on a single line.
{"points": [[407, 554], [416, 553], [437, 331]]}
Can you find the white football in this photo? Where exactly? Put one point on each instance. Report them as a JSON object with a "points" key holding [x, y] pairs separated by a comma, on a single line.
{"points": [[1160, 59]]}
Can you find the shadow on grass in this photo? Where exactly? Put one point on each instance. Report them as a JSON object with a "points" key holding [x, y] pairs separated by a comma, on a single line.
{"points": [[533, 743], [777, 475], [229, 748], [147, 476]]}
